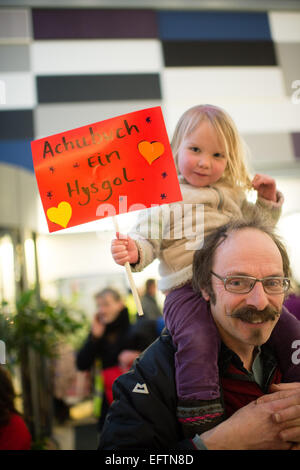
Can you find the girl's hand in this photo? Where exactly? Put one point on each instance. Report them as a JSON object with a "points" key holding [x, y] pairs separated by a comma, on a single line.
{"points": [[265, 186], [124, 249]]}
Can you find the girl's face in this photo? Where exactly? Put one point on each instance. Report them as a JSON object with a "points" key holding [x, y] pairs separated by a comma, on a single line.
{"points": [[201, 157]]}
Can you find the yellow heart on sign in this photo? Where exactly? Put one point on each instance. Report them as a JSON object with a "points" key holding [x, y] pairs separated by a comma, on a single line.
{"points": [[151, 150], [60, 214]]}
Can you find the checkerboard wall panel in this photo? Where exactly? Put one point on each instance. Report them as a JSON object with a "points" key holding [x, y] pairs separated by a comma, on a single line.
{"points": [[69, 67], [15, 26], [59, 117], [289, 59], [76, 88], [285, 26], [96, 56], [218, 53], [215, 26], [92, 23], [296, 144], [14, 58]]}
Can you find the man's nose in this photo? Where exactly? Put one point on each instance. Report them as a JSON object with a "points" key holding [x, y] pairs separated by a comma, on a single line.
{"points": [[257, 297]]}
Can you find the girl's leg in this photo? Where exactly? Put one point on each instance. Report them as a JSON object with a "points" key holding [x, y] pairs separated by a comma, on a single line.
{"points": [[285, 340], [196, 337]]}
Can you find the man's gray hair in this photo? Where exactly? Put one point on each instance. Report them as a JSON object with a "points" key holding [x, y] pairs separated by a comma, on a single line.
{"points": [[109, 291]]}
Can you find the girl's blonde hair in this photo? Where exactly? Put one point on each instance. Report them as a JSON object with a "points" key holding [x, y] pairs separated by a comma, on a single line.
{"points": [[236, 173]]}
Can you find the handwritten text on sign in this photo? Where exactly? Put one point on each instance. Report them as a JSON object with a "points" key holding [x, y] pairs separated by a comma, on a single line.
{"points": [[78, 170]]}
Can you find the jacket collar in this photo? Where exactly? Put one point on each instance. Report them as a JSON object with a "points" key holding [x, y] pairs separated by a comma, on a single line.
{"points": [[227, 357], [269, 362]]}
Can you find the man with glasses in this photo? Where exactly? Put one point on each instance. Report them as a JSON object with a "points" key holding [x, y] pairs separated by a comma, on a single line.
{"points": [[242, 273]]}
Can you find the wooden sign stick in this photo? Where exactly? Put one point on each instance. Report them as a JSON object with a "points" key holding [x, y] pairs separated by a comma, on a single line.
{"points": [[130, 277]]}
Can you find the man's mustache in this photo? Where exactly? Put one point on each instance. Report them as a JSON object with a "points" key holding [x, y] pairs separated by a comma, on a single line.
{"points": [[249, 314]]}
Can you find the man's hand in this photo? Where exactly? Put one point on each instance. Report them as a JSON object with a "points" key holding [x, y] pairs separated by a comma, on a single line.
{"points": [[290, 416], [127, 357], [124, 249], [265, 187], [98, 327], [253, 427]]}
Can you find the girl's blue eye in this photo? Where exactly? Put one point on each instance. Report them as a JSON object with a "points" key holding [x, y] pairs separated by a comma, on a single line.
{"points": [[218, 155], [195, 149]]}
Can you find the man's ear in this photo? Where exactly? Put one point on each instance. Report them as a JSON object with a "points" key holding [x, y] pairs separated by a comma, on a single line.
{"points": [[205, 295]]}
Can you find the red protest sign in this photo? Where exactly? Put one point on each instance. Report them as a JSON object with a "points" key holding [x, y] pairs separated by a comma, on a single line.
{"points": [[110, 167]]}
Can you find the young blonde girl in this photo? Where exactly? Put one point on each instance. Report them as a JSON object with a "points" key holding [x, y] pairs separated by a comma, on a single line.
{"points": [[209, 156]]}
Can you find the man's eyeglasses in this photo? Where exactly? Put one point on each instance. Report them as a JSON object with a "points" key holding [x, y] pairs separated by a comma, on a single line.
{"points": [[244, 284]]}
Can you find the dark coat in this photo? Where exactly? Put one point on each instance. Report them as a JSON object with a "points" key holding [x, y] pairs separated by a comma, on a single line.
{"points": [[143, 413]]}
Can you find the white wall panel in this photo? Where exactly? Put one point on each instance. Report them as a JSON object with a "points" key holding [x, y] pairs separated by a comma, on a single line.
{"points": [[8, 196], [270, 148], [285, 26], [96, 56], [250, 115], [20, 92], [203, 84], [53, 118], [28, 199]]}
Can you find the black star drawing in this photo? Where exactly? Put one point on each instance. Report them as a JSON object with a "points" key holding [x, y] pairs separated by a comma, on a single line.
{"points": [[148, 119], [164, 174], [76, 165], [52, 169], [163, 196], [49, 194]]}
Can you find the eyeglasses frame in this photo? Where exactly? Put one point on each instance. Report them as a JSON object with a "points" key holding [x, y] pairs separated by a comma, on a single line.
{"points": [[225, 279]]}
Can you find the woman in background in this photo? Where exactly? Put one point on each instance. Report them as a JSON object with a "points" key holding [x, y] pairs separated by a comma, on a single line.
{"points": [[14, 434]]}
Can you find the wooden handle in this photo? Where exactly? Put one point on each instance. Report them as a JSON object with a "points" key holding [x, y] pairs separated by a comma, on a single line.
{"points": [[130, 278]]}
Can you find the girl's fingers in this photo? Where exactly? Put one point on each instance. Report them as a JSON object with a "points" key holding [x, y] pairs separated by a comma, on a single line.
{"points": [[116, 243], [256, 181], [119, 249], [122, 260]]}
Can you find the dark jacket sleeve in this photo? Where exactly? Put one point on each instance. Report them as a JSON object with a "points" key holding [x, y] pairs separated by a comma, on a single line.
{"points": [[87, 354], [145, 420]]}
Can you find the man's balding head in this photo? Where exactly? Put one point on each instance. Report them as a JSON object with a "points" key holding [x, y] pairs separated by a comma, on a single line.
{"points": [[204, 258], [242, 248]]}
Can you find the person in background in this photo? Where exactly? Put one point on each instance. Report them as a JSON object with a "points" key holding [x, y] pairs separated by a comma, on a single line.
{"points": [[113, 341], [150, 306], [130, 304], [292, 302], [14, 434]]}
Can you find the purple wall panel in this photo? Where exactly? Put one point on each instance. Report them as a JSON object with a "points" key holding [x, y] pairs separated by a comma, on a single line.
{"points": [[93, 23]]}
